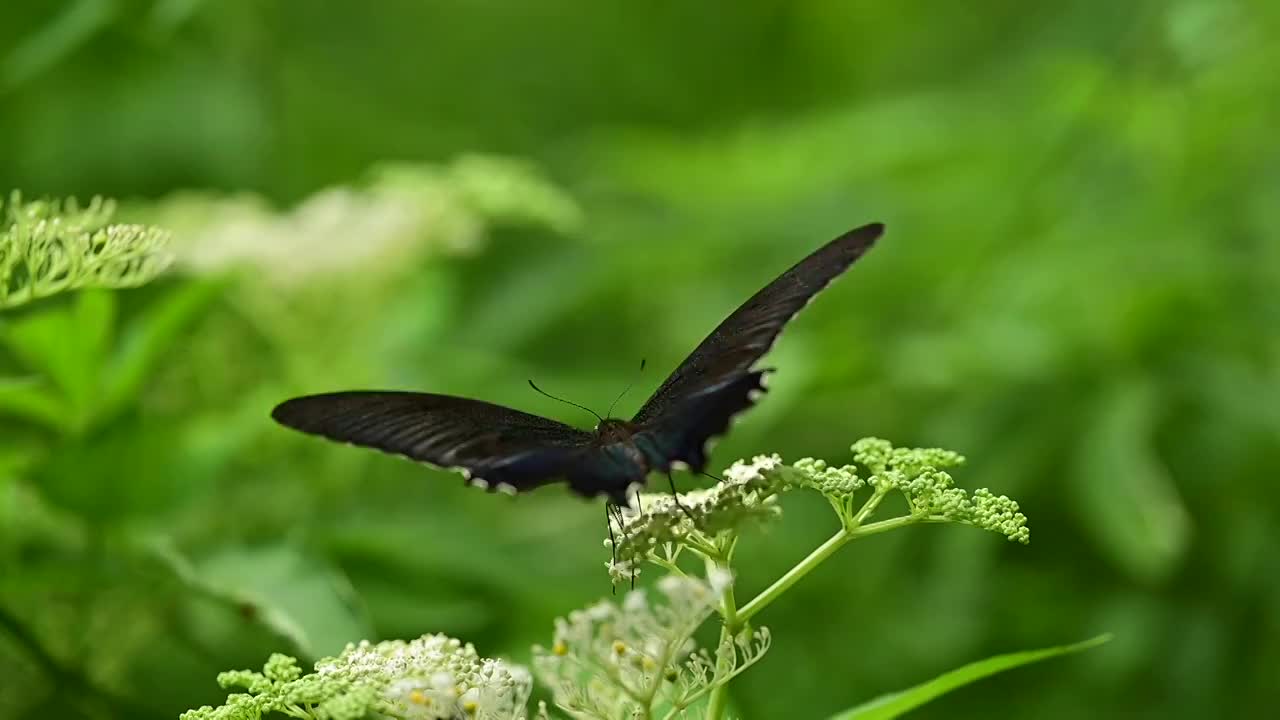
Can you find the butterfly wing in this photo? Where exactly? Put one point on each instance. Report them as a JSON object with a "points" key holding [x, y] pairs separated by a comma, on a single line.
{"points": [[489, 443], [696, 402]]}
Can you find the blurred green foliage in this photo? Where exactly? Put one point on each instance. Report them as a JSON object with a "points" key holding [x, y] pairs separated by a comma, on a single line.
{"points": [[1079, 289]]}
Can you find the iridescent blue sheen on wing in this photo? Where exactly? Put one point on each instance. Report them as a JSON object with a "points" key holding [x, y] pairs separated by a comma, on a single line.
{"points": [[683, 435]]}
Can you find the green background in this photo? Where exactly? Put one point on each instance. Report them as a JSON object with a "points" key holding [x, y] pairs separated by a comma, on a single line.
{"points": [[1079, 289]]}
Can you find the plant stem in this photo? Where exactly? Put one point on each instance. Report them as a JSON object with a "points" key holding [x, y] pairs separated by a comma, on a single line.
{"points": [[826, 550], [730, 620], [734, 618], [792, 576], [868, 507]]}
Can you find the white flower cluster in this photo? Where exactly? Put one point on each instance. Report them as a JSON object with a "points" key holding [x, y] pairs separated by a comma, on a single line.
{"points": [[614, 660], [705, 521], [404, 211], [435, 677], [663, 521], [432, 678]]}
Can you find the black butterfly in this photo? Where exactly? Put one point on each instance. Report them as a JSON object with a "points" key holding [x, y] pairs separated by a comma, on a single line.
{"points": [[503, 449]]}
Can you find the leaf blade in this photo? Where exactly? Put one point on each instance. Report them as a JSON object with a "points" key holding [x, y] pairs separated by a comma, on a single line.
{"points": [[895, 704]]}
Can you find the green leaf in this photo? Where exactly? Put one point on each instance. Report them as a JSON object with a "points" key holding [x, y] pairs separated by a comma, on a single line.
{"points": [[27, 517], [295, 595], [895, 704], [1126, 497], [67, 343], [147, 338], [94, 313], [31, 399], [72, 346], [74, 26]]}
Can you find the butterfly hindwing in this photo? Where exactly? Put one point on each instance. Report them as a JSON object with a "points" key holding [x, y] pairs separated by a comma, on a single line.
{"points": [[493, 444], [698, 399], [683, 435]]}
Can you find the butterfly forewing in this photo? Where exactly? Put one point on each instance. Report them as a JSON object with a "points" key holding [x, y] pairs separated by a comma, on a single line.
{"points": [[716, 381], [494, 444]]}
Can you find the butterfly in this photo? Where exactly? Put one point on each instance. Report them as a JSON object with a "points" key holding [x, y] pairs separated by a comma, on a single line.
{"points": [[502, 449]]}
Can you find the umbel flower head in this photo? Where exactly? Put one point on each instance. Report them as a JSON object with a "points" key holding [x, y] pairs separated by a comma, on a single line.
{"points": [[662, 526], [432, 678], [664, 523], [402, 213], [47, 247], [621, 660]]}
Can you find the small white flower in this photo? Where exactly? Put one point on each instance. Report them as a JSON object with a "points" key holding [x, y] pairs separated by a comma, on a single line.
{"points": [[647, 643], [719, 579], [742, 473], [634, 602], [442, 681], [670, 584], [470, 697], [600, 611]]}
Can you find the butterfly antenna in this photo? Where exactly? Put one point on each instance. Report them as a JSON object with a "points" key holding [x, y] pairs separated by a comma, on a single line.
{"points": [[626, 389], [566, 402]]}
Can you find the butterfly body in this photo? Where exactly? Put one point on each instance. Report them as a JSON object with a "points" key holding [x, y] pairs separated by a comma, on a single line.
{"points": [[501, 448], [614, 430], [612, 464]]}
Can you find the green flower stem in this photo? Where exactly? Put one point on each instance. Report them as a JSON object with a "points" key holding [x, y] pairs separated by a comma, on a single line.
{"points": [[792, 576], [668, 566], [729, 610], [815, 558], [824, 551], [730, 621], [703, 547], [868, 507]]}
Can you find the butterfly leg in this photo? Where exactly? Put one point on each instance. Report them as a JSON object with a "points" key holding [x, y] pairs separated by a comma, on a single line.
{"points": [[608, 524], [675, 497], [617, 514], [613, 542]]}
